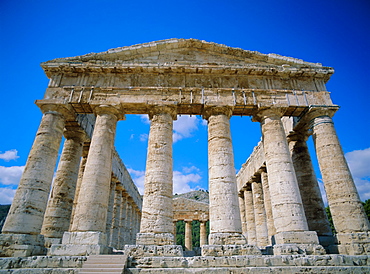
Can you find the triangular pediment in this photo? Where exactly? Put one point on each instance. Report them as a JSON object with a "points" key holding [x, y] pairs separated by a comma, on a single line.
{"points": [[184, 52]]}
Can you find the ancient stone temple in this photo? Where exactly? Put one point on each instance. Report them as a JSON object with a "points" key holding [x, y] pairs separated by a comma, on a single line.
{"points": [[270, 216]]}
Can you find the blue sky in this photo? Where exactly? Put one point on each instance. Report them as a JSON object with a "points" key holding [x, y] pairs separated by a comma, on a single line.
{"points": [[334, 33]]}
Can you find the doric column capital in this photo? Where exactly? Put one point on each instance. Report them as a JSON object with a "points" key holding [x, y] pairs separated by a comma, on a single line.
{"points": [[217, 110], [301, 135], [308, 120], [165, 109], [110, 109], [78, 135], [63, 109], [271, 112]]}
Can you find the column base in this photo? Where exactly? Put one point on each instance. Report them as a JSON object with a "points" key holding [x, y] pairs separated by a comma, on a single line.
{"points": [[297, 242], [21, 245], [155, 239], [81, 244], [224, 238], [139, 251], [355, 243], [230, 250], [52, 241]]}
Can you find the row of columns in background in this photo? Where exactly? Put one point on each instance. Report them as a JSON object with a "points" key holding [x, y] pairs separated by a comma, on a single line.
{"points": [[85, 183], [290, 224], [285, 197], [189, 233]]}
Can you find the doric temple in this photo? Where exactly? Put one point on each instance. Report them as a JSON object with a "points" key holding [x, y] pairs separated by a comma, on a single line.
{"points": [[272, 207]]}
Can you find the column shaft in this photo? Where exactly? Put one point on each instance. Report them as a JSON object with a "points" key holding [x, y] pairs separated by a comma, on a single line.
{"points": [[345, 205], [260, 215], [249, 217], [286, 200], [110, 209], [58, 212], [313, 204], [115, 228], [267, 200], [203, 233], [91, 210], [224, 209], [188, 235], [157, 212], [242, 214], [26, 213]]}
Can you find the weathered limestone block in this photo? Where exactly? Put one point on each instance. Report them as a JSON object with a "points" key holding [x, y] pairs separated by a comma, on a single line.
{"points": [[58, 212], [81, 244], [230, 250], [139, 251], [157, 210], [223, 200]]}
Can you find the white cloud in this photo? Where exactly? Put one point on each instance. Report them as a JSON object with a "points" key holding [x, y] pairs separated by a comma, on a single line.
{"points": [[359, 163], [145, 118], [9, 155], [184, 127], [181, 180], [6, 195], [143, 137], [10, 175]]}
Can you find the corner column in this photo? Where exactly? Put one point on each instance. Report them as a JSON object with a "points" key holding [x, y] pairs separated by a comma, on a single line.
{"points": [[88, 229], [22, 227], [292, 235], [349, 218], [156, 226]]}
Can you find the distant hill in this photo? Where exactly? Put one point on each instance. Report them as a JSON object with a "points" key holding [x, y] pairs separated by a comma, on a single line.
{"points": [[198, 195], [3, 213]]}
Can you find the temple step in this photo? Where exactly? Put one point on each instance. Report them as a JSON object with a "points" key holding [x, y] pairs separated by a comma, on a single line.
{"points": [[103, 264]]}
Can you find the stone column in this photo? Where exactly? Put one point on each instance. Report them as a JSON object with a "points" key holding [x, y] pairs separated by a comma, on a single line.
{"points": [[348, 214], [224, 209], [188, 235], [22, 227], [110, 208], [122, 218], [58, 212], [289, 217], [156, 226], [242, 214], [313, 204], [249, 216], [203, 233], [175, 229], [115, 228], [129, 221], [85, 152], [87, 234], [267, 200], [260, 215]]}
